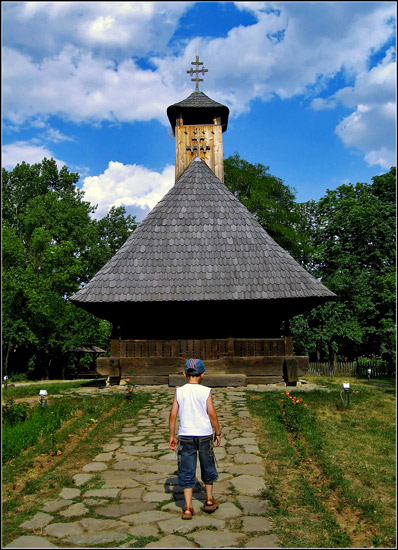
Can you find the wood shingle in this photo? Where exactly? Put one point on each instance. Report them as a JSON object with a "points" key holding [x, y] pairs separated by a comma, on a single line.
{"points": [[199, 243]]}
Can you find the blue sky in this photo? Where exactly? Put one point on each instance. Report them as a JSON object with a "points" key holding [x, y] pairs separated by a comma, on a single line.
{"points": [[311, 88]]}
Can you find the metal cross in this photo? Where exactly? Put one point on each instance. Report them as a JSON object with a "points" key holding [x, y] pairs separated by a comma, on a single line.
{"points": [[197, 71]]}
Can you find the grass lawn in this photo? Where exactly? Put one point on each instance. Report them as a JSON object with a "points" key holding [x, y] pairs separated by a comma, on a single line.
{"points": [[31, 390], [333, 484], [40, 472]]}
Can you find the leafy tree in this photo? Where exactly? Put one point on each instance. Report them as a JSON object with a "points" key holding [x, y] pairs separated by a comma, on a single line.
{"points": [[51, 246], [351, 248], [268, 198]]}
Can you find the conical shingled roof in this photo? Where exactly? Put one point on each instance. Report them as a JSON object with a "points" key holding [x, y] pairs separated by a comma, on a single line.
{"points": [[199, 243], [193, 104]]}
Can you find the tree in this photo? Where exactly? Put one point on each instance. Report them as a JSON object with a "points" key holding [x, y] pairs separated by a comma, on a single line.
{"points": [[268, 198], [51, 246], [352, 250]]}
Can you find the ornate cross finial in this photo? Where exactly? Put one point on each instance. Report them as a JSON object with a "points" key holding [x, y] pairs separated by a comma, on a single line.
{"points": [[197, 71]]}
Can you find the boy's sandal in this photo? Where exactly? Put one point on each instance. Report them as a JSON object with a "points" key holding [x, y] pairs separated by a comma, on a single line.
{"points": [[187, 513], [211, 507]]}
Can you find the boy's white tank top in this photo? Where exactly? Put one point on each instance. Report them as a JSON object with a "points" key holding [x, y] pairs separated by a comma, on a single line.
{"points": [[192, 411]]}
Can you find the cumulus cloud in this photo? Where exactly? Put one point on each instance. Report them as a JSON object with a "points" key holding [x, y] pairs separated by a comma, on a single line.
{"points": [[371, 127], [79, 87], [292, 49], [87, 65], [130, 185], [123, 28], [19, 151]]}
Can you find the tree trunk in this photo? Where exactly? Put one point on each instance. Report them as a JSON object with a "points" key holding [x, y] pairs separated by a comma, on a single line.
{"points": [[48, 369]]}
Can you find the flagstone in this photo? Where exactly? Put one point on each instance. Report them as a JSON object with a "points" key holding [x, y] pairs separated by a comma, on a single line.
{"points": [[81, 479], [103, 457], [135, 449], [143, 530], [124, 465], [147, 517], [243, 441], [95, 501], [256, 523], [67, 493], [252, 505], [176, 524], [78, 509], [216, 539], [252, 449], [110, 447], [241, 469], [227, 510], [30, 542], [95, 524], [61, 530], [124, 508], [96, 539], [156, 496], [171, 541], [55, 505], [246, 458], [248, 484], [132, 493], [233, 449], [263, 541], [38, 521], [94, 467], [107, 493]]}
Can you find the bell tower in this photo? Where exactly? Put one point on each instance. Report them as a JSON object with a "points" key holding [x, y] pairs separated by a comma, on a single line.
{"points": [[198, 123]]}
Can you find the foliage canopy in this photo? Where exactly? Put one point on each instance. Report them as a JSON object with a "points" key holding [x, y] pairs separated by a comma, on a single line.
{"points": [[52, 245]]}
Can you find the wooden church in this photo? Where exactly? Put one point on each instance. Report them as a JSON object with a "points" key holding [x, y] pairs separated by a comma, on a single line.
{"points": [[200, 277]]}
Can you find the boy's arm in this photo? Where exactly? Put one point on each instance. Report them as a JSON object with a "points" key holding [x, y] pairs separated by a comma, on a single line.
{"points": [[211, 411], [172, 423]]}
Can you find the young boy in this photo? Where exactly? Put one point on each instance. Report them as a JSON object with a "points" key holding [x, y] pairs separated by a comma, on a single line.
{"points": [[198, 417]]}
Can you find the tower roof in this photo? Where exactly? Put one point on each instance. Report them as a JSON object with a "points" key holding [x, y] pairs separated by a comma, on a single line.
{"points": [[200, 243], [199, 108]]}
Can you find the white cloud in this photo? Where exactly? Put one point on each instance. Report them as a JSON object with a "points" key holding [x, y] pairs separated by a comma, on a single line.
{"points": [[93, 89], [371, 128], [85, 66], [19, 151], [128, 185], [123, 28], [293, 49]]}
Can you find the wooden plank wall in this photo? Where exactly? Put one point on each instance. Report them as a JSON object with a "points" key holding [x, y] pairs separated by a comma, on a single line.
{"points": [[213, 157]]}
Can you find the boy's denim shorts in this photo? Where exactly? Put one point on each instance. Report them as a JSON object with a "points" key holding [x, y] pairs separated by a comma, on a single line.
{"points": [[187, 453]]}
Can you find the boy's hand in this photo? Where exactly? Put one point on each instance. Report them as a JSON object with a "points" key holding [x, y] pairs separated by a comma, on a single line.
{"points": [[173, 443], [217, 440]]}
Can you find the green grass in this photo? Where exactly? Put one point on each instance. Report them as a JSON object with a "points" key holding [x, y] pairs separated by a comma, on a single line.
{"points": [[25, 484], [340, 474], [53, 388]]}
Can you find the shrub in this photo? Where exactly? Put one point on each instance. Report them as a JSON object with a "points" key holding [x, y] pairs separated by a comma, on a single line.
{"points": [[14, 412], [294, 413], [40, 422]]}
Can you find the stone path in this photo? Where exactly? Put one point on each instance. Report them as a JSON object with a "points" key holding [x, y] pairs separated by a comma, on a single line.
{"points": [[130, 490]]}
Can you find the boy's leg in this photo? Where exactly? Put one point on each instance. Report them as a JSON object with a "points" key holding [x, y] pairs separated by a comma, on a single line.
{"points": [[188, 497], [187, 457], [209, 493], [207, 465]]}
